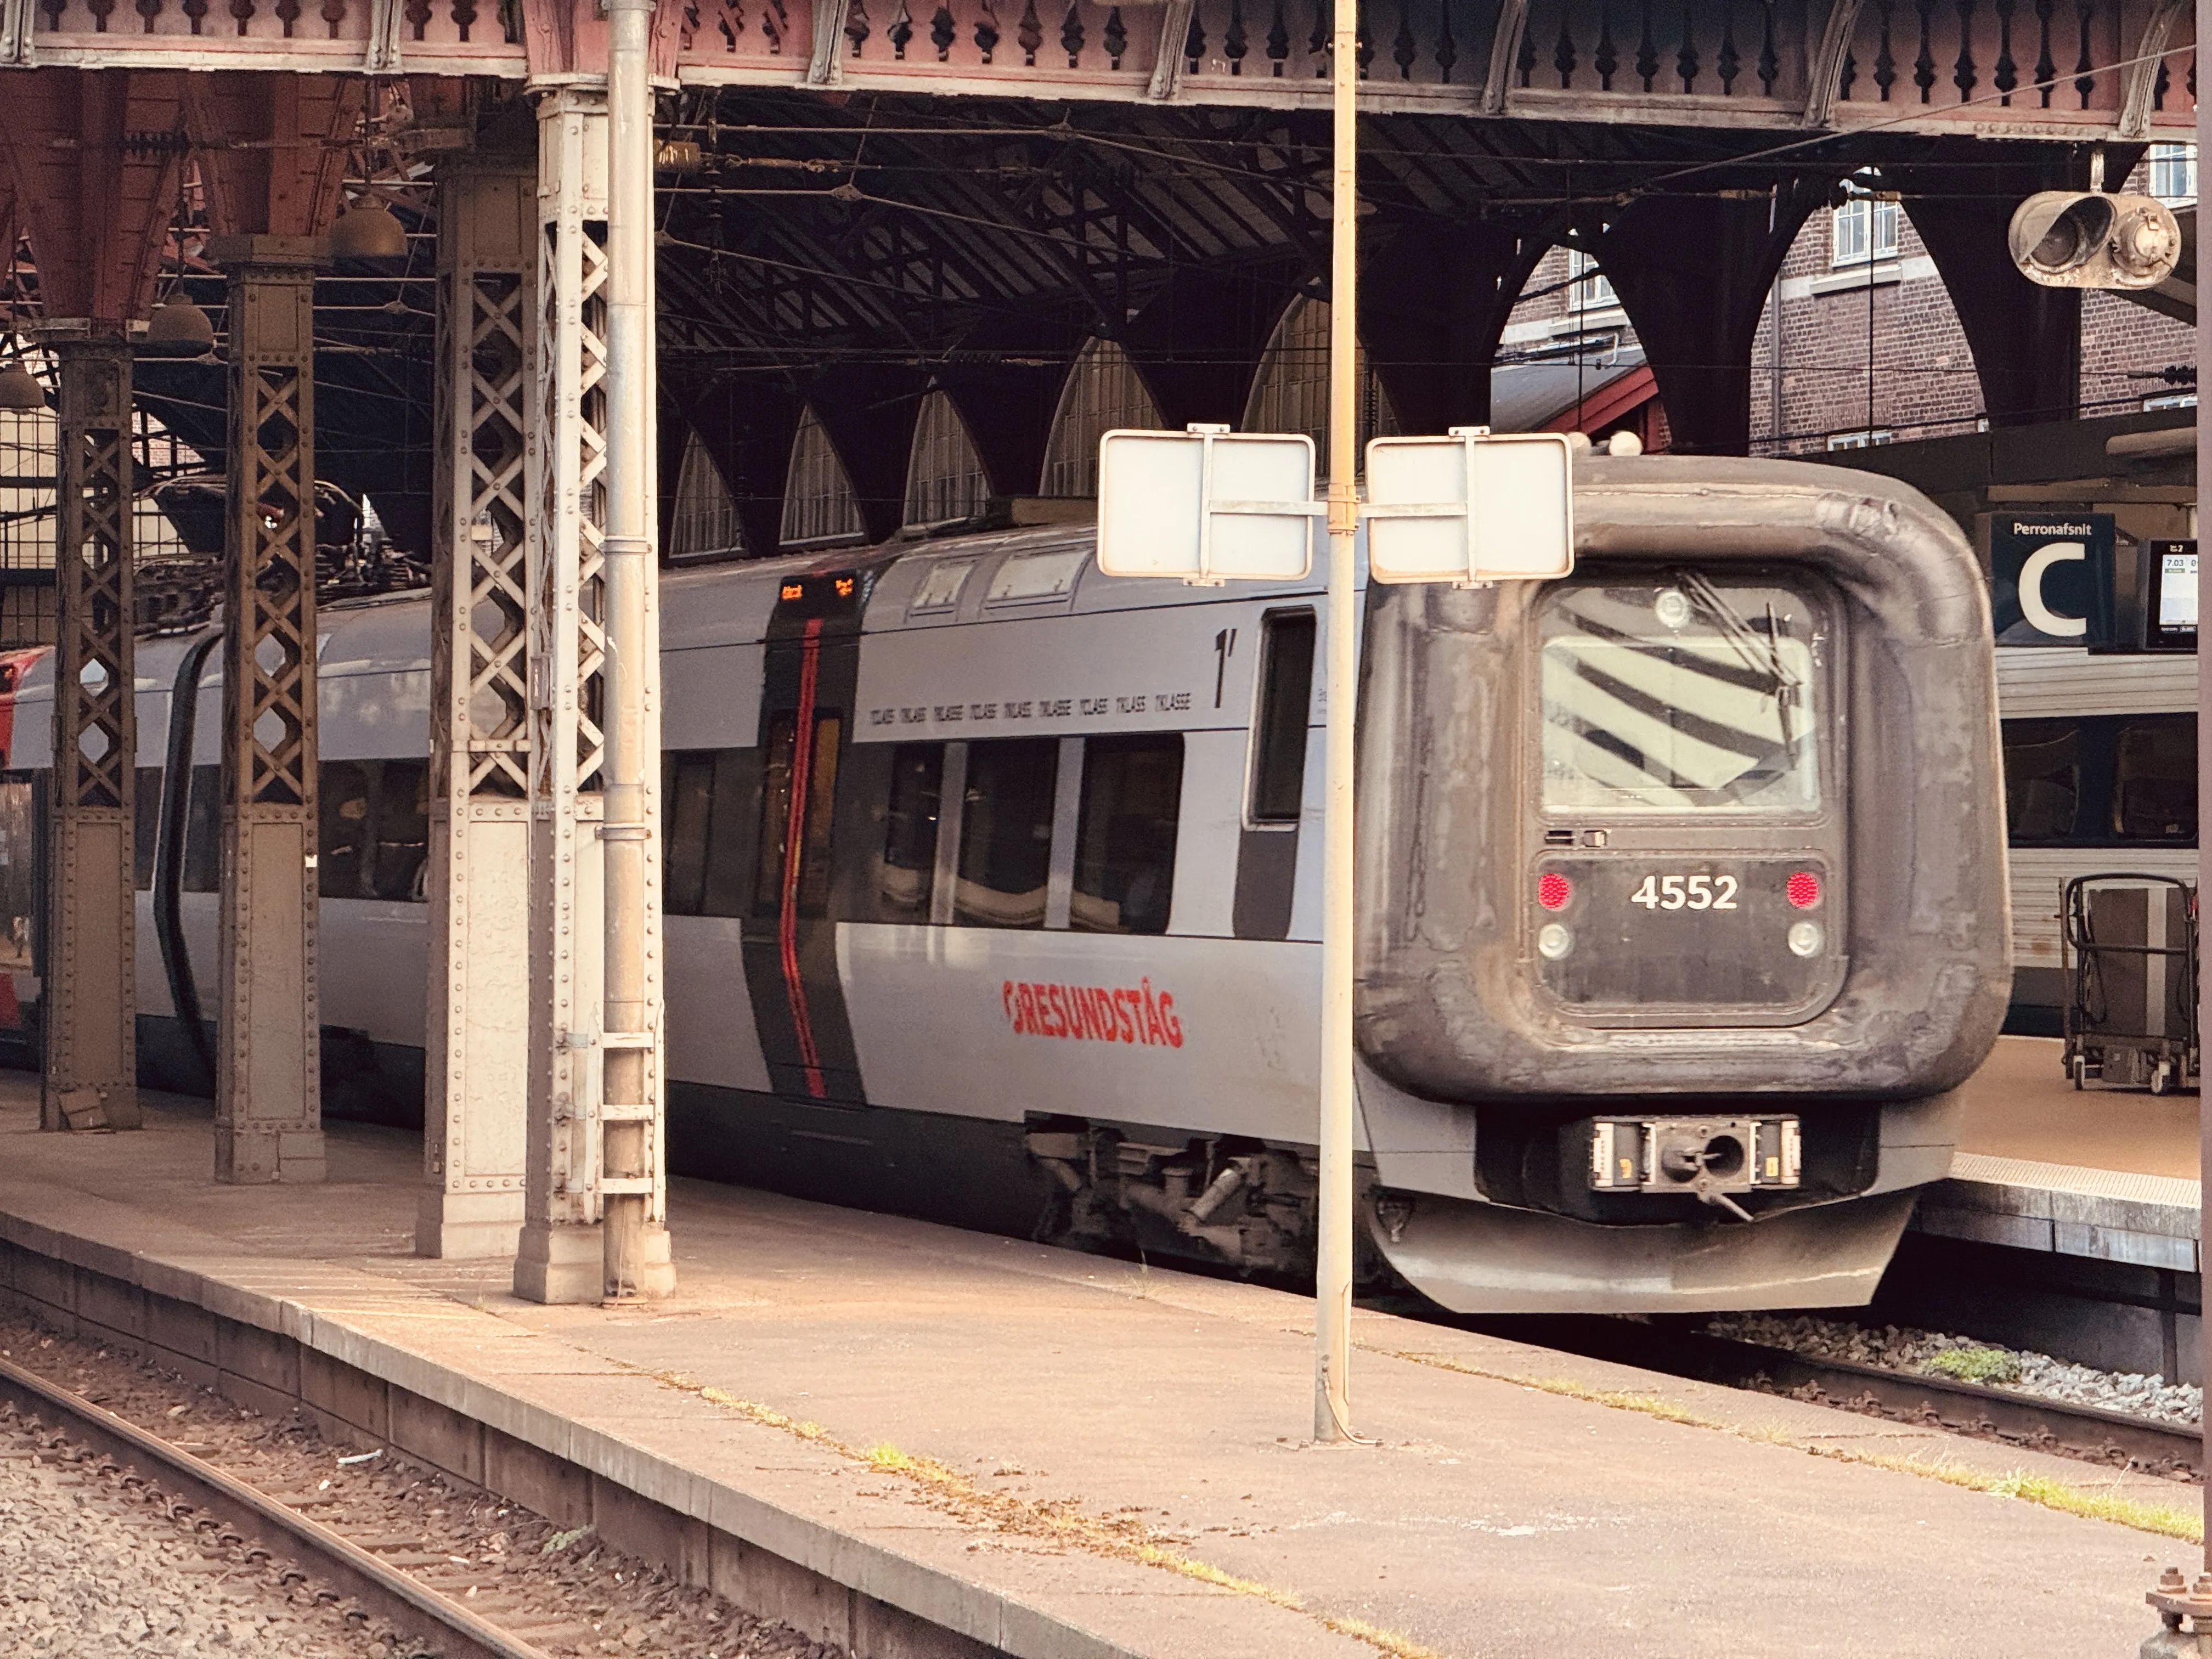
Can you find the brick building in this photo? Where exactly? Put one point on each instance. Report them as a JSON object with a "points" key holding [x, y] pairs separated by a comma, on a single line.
{"points": [[1859, 342]]}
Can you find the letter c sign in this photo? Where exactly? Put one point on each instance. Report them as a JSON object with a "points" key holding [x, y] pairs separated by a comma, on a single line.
{"points": [[2038, 614]]}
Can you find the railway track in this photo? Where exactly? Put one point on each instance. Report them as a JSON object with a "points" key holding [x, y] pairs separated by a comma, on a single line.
{"points": [[2023, 1419], [265, 1522]]}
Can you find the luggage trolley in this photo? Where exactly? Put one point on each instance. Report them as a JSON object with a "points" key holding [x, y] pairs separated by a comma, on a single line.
{"points": [[2130, 945]]}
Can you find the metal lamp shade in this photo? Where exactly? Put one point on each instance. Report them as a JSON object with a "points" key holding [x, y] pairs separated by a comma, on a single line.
{"points": [[368, 231], [20, 390], [180, 324]]}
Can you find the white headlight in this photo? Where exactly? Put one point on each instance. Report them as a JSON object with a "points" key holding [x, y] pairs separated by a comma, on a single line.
{"points": [[1805, 938], [1553, 941]]}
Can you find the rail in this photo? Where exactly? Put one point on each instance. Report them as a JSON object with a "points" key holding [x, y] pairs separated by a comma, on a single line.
{"points": [[266, 1522]]}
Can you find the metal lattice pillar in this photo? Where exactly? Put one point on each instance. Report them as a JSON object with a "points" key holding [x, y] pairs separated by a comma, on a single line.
{"points": [[560, 1258], [476, 1069], [267, 1123], [91, 1005]]}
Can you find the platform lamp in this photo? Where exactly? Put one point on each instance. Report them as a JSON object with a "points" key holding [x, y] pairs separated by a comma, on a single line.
{"points": [[178, 326], [367, 229], [19, 390]]}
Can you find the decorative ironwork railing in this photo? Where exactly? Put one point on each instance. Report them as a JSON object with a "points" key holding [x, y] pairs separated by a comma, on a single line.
{"points": [[2064, 56], [2124, 65], [427, 22]]}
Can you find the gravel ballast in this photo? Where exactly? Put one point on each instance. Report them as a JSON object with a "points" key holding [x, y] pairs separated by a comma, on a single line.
{"points": [[174, 1585], [1938, 1353]]}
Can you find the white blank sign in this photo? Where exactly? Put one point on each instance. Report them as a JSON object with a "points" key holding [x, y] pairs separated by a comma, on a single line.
{"points": [[1207, 506], [1470, 507]]}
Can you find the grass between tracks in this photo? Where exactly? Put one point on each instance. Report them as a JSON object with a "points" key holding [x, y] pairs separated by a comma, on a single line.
{"points": [[2046, 1491], [1120, 1536]]}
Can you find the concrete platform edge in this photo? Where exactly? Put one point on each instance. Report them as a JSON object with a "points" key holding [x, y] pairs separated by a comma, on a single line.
{"points": [[924, 1593]]}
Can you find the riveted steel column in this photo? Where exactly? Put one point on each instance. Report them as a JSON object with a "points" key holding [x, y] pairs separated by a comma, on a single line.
{"points": [[633, 1183], [268, 1124], [476, 1066], [560, 1258], [91, 1005]]}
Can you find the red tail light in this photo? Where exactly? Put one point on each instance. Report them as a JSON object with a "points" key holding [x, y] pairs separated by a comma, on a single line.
{"points": [[1804, 889], [1553, 890]]}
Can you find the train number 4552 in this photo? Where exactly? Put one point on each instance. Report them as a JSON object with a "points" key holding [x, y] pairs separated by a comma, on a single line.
{"points": [[1686, 892]]}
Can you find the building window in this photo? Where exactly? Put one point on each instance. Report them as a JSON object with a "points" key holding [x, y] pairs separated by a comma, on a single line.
{"points": [[818, 502], [1865, 439], [2170, 400], [1104, 392], [945, 479], [2174, 174], [705, 521], [1588, 289], [1290, 391], [1865, 230]]}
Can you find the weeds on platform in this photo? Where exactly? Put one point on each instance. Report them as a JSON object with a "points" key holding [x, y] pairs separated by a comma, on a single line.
{"points": [[2046, 1491], [1120, 1537]]}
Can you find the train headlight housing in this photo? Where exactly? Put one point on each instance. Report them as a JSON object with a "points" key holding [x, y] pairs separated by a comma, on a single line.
{"points": [[1555, 941], [1805, 939]]}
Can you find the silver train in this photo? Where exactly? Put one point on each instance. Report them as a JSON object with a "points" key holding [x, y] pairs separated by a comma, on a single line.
{"points": [[2101, 775], [993, 895]]}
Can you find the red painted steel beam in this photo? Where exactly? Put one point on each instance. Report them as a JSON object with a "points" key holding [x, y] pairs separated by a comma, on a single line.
{"points": [[272, 148], [94, 186]]}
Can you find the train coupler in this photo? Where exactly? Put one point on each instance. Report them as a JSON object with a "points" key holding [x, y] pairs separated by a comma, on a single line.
{"points": [[1709, 1158]]}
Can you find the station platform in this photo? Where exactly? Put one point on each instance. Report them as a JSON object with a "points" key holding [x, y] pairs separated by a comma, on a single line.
{"points": [[1053, 1454], [2107, 1175]]}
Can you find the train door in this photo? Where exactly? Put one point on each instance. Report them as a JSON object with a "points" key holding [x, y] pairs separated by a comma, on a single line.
{"points": [[22, 885], [811, 670]]}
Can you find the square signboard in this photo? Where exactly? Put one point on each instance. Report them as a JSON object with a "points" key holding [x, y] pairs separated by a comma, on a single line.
{"points": [[1205, 505], [1470, 507]]}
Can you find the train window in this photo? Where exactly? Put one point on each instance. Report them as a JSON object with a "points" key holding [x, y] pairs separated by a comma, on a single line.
{"points": [[737, 782], [906, 869], [19, 888], [341, 804], [146, 827], [812, 775], [1680, 695], [1279, 734], [402, 819], [1005, 833], [1125, 841], [1050, 574], [704, 799], [940, 585], [2154, 780], [203, 871], [2043, 779], [687, 793]]}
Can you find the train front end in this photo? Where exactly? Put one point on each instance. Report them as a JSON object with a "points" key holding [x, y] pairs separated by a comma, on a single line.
{"points": [[1684, 901]]}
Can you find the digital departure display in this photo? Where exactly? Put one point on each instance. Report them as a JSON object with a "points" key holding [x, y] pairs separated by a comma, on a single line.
{"points": [[2170, 596], [2177, 590]]}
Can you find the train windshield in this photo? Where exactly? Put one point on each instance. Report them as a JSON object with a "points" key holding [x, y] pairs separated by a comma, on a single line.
{"points": [[1681, 696]]}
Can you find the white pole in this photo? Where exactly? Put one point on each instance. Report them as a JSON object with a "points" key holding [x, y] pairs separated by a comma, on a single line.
{"points": [[628, 1020], [1332, 1258], [2204, 797]]}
